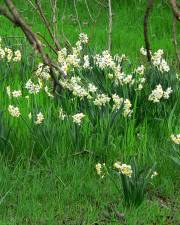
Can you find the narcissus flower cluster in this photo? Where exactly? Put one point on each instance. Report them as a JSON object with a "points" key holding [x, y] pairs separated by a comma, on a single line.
{"points": [[158, 93], [123, 168], [77, 118], [8, 54]]}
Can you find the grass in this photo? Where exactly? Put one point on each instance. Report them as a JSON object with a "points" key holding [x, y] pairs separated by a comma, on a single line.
{"points": [[47, 172], [60, 193]]}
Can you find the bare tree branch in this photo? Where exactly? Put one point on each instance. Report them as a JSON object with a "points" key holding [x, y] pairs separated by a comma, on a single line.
{"points": [[146, 17], [175, 7], [5, 13], [110, 26]]}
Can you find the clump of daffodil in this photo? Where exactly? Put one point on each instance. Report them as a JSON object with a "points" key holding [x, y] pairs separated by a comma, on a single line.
{"points": [[130, 181]]}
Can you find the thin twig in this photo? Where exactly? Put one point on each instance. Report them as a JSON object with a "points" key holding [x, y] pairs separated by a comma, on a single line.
{"points": [[89, 11], [46, 41], [46, 23], [62, 30], [77, 16]]}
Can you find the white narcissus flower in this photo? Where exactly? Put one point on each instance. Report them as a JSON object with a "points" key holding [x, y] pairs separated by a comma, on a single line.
{"points": [[117, 101], [123, 168], [127, 79], [105, 60], [140, 70], [62, 55], [73, 60], [17, 56], [32, 88], [16, 94], [9, 53], [43, 72], [156, 94], [92, 88], [127, 108], [101, 100], [163, 67], [39, 118], [83, 38], [14, 111], [79, 91], [74, 85], [126, 170], [167, 93], [159, 62], [77, 118]]}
